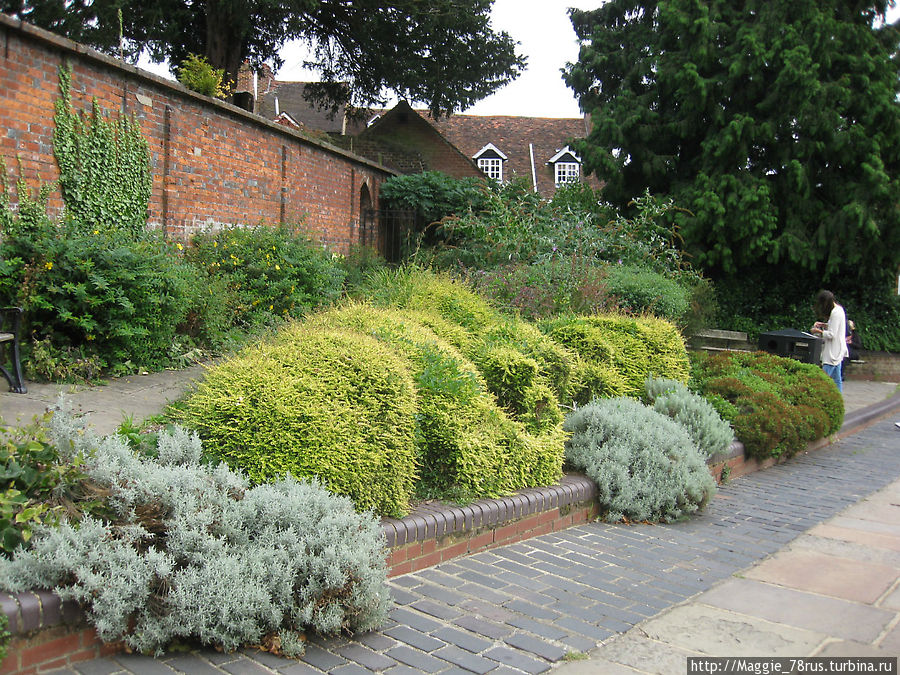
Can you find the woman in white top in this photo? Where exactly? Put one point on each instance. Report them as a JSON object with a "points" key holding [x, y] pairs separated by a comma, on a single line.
{"points": [[834, 333]]}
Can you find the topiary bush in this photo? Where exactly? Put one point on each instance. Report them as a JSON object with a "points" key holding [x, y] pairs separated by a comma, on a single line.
{"points": [[619, 352], [646, 466], [468, 446], [776, 405], [189, 550], [710, 432], [335, 405]]}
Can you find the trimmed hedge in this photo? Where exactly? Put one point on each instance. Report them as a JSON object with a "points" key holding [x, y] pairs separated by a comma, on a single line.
{"points": [[618, 353], [335, 405], [467, 444], [776, 405]]}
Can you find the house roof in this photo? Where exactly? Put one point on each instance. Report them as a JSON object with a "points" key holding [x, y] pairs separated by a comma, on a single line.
{"points": [[403, 139], [519, 138], [289, 97]]}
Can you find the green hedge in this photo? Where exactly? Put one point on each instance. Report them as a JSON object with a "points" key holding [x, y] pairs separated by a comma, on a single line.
{"points": [[618, 353], [776, 405], [469, 445], [339, 406]]}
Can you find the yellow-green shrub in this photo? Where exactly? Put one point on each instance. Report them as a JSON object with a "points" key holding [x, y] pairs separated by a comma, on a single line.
{"points": [[339, 406], [619, 352], [467, 444], [426, 291]]}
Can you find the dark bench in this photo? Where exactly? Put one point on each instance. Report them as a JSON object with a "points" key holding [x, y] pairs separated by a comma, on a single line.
{"points": [[10, 323]]}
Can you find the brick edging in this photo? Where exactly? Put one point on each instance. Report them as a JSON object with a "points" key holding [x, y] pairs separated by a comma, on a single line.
{"points": [[48, 633]]}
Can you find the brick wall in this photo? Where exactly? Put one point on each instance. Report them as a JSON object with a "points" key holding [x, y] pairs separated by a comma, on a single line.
{"points": [[212, 163]]}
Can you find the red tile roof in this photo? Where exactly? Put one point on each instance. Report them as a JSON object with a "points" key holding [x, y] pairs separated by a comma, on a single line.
{"points": [[517, 138]]}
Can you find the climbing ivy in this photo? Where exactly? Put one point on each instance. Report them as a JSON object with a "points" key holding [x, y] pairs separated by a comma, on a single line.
{"points": [[104, 167]]}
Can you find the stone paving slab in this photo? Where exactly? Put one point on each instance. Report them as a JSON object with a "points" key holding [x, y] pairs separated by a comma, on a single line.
{"points": [[829, 575], [829, 616]]}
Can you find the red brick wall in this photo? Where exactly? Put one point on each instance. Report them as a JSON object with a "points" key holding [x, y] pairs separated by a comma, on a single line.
{"points": [[212, 163]]}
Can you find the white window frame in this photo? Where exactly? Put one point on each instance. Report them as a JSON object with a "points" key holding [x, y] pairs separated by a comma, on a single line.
{"points": [[567, 172], [491, 166], [563, 172]]}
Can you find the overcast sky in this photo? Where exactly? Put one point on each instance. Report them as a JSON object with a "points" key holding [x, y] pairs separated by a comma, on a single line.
{"points": [[547, 39]]}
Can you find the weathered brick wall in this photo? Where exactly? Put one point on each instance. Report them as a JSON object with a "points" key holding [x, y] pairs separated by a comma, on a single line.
{"points": [[212, 163]]}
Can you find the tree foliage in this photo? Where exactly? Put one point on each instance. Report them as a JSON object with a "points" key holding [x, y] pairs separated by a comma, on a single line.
{"points": [[774, 122], [443, 53]]}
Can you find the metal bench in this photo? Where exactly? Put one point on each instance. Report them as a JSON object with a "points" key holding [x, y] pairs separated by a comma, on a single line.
{"points": [[10, 323]]}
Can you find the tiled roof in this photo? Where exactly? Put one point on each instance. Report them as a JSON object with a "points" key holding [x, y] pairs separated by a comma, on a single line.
{"points": [[513, 135], [290, 99]]}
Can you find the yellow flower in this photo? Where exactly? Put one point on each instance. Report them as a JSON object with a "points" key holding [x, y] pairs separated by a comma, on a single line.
{"points": [[96, 231], [179, 247], [277, 266], [215, 243], [49, 265]]}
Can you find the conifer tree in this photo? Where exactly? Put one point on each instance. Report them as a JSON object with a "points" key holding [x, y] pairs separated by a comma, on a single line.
{"points": [[775, 123]]}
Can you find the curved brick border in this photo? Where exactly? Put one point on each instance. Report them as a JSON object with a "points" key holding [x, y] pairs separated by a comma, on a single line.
{"points": [[49, 634]]}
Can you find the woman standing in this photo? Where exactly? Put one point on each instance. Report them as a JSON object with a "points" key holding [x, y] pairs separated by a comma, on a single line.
{"points": [[834, 332]]}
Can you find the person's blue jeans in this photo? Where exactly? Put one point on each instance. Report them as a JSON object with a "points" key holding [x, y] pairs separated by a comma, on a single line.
{"points": [[834, 372]]}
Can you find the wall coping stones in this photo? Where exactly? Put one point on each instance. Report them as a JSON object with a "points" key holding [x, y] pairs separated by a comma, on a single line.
{"points": [[429, 520]]}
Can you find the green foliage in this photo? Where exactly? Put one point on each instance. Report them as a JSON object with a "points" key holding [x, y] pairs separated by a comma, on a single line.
{"points": [[766, 299], [190, 551], [35, 486], [468, 445], [338, 406], [110, 300], [269, 272], [196, 73], [640, 290], [359, 263], [711, 434], [776, 405], [617, 353], [434, 195], [573, 254], [775, 125], [417, 289], [449, 57], [104, 168], [5, 635], [645, 465], [545, 288]]}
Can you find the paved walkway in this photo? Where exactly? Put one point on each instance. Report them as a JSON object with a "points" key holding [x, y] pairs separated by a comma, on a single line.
{"points": [[797, 560]]}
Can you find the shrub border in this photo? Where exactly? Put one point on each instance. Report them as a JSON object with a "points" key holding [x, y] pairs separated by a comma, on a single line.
{"points": [[48, 634]]}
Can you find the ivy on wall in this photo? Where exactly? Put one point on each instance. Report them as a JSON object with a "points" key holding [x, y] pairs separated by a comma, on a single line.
{"points": [[104, 167]]}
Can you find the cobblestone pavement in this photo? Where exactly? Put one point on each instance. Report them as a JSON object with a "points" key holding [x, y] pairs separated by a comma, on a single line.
{"points": [[523, 608]]}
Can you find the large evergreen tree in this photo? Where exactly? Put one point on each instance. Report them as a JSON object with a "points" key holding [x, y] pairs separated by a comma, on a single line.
{"points": [[443, 53], [774, 123]]}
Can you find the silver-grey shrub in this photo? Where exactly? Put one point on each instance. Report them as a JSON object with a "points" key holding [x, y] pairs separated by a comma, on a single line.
{"points": [[710, 432], [190, 551], [645, 465]]}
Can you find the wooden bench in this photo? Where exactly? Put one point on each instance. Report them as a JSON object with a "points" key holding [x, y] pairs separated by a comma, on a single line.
{"points": [[10, 323]]}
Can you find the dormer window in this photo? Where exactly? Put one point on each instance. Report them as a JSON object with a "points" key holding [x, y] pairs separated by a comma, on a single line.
{"points": [[490, 161], [566, 167]]}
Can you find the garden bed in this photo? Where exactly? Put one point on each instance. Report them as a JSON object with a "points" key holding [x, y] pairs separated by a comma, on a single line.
{"points": [[50, 634]]}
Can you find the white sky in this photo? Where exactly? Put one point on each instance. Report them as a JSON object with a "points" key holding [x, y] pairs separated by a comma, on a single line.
{"points": [[547, 39], [545, 32]]}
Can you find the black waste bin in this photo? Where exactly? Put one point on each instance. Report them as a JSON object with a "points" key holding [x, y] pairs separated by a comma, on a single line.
{"points": [[793, 344]]}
